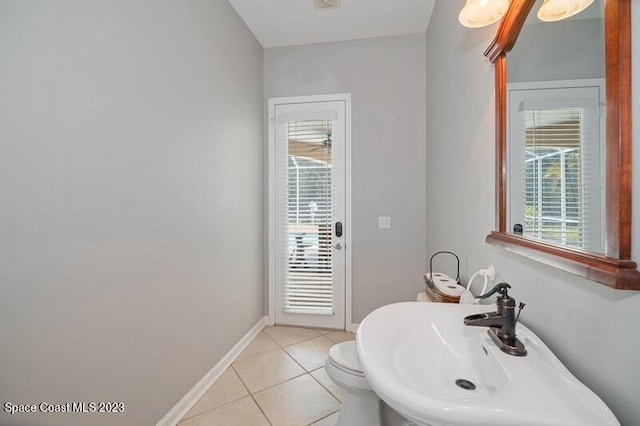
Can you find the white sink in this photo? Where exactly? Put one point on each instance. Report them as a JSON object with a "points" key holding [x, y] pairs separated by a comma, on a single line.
{"points": [[413, 353]]}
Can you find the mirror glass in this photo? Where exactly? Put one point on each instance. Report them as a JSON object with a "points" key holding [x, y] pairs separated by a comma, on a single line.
{"points": [[556, 131]]}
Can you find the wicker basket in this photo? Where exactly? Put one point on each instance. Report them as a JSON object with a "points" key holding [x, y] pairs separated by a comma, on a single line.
{"points": [[432, 291]]}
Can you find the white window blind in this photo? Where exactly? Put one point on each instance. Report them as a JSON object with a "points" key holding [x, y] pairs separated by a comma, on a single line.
{"points": [[556, 152], [308, 213], [555, 163]]}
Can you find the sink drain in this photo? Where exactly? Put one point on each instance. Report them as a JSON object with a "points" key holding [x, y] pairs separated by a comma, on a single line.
{"points": [[465, 384]]}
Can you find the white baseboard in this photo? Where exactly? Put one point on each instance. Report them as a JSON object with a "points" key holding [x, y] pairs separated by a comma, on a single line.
{"points": [[350, 327], [193, 396]]}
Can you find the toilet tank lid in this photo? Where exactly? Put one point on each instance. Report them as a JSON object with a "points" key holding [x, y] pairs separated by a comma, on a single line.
{"points": [[345, 355]]}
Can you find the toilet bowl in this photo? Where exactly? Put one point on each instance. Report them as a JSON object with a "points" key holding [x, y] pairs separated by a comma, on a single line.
{"points": [[360, 405]]}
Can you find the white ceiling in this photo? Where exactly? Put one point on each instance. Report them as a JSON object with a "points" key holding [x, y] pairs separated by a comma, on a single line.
{"points": [[293, 22]]}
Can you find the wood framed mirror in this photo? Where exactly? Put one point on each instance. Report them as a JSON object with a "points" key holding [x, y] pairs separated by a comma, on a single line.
{"points": [[614, 267]]}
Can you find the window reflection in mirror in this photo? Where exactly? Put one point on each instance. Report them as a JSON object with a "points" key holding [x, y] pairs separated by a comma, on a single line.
{"points": [[556, 152]]}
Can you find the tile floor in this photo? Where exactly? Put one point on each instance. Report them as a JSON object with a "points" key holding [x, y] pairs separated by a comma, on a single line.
{"points": [[278, 380]]}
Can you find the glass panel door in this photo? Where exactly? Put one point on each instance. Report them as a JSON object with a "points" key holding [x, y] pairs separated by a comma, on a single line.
{"points": [[309, 215]]}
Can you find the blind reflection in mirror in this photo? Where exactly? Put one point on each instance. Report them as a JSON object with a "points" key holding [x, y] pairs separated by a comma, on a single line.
{"points": [[555, 95]]}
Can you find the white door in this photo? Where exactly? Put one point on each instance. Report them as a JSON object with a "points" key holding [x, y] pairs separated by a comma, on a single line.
{"points": [[308, 212]]}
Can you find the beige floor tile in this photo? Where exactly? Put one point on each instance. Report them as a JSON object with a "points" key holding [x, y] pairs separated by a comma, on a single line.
{"points": [[243, 412], [285, 336], [321, 375], [340, 336], [266, 370], [328, 421], [311, 354], [226, 389], [258, 346], [300, 401], [324, 331]]}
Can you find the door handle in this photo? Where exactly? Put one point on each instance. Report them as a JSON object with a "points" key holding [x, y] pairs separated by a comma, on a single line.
{"points": [[338, 229]]}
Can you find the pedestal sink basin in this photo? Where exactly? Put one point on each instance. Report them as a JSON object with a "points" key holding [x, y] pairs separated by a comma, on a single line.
{"points": [[427, 365]]}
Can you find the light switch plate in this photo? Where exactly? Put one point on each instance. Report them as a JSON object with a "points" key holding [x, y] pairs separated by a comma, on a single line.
{"points": [[384, 222]]}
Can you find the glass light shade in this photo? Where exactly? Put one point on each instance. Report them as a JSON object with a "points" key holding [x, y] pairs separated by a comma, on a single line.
{"points": [[556, 10], [480, 13]]}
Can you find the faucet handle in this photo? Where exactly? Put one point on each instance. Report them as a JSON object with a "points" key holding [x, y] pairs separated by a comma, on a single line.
{"points": [[501, 288], [521, 306]]}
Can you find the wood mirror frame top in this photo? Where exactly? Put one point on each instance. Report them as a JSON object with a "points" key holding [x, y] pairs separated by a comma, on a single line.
{"points": [[615, 269]]}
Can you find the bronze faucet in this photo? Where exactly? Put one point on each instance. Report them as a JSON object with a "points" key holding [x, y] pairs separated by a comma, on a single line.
{"points": [[502, 323]]}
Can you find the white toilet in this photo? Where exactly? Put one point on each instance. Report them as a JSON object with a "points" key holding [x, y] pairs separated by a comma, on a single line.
{"points": [[360, 406]]}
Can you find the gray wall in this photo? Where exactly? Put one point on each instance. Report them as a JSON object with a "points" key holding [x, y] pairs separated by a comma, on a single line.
{"points": [[565, 50], [386, 79], [131, 172], [591, 328]]}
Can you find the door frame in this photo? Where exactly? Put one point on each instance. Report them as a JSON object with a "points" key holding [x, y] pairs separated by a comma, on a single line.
{"points": [[271, 267]]}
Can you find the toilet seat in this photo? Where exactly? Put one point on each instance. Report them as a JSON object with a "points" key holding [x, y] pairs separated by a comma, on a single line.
{"points": [[360, 405], [343, 356]]}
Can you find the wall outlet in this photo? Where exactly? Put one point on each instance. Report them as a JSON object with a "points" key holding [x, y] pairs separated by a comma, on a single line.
{"points": [[491, 273], [384, 222]]}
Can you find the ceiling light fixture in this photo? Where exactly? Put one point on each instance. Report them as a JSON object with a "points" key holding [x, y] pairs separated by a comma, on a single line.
{"points": [[480, 13], [556, 10], [326, 4]]}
